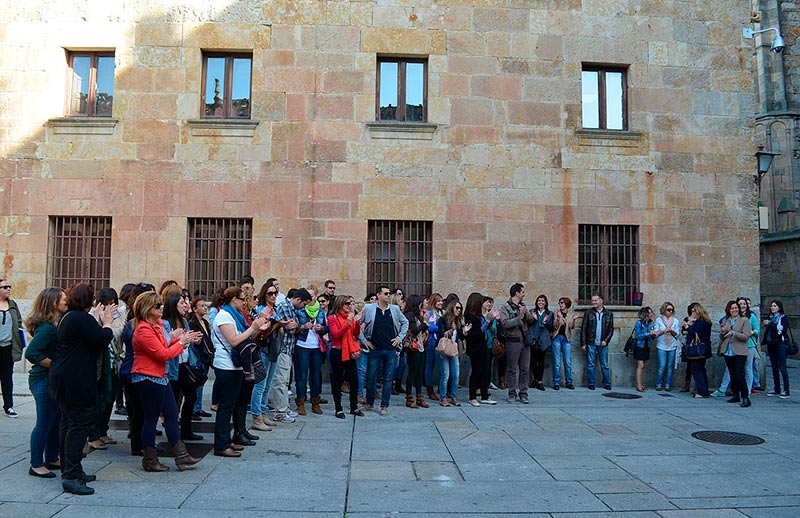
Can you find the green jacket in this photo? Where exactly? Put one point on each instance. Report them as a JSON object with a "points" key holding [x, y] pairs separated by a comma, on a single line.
{"points": [[16, 325]]}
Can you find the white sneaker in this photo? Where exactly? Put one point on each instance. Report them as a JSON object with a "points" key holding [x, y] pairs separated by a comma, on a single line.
{"points": [[488, 402], [292, 413], [284, 418], [12, 413], [492, 386], [474, 402], [782, 395]]}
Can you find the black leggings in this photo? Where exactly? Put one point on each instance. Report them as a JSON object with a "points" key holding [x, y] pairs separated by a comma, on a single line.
{"points": [[416, 371], [135, 417], [736, 369], [343, 371], [189, 399], [7, 376], [157, 399], [479, 377], [537, 364], [227, 385]]}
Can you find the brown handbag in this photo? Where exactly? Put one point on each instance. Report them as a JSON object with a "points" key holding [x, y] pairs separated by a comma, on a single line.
{"points": [[498, 349], [446, 347]]}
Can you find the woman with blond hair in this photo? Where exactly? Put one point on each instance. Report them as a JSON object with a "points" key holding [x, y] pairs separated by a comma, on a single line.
{"points": [[699, 330], [668, 327], [432, 316], [48, 307]]}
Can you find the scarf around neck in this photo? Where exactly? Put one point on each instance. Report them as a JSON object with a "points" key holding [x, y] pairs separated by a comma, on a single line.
{"points": [[312, 310], [238, 317]]}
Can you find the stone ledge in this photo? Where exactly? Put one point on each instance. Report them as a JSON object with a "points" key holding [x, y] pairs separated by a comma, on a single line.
{"points": [[608, 138], [402, 130], [83, 125], [222, 127]]}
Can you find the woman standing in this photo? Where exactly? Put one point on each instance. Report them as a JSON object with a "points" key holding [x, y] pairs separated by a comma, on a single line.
{"points": [[752, 342], [308, 354], [435, 312], [205, 349], [174, 314], [775, 338], [734, 334], [699, 329], [344, 328], [451, 326], [562, 342], [477, 349], [48, 307], [667, 344], [229, 331], [259, 398], [540, 331], [644, 331], [10, 345], [151, 351], [414, 348], [73, 379]]}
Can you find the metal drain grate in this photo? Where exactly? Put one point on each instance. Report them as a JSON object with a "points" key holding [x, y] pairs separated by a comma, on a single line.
{"points": [[197, 426], [729, 438], [621, 395]]}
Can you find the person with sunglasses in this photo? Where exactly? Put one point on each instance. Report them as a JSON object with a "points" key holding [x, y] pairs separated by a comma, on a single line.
{"points": [[259, 400], [452, 326], [345, 328], [10, 345], [668, 328]]}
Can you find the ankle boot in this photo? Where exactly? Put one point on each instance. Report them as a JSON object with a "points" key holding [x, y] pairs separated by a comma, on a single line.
{"points": [[398, 387], [315, 405], [182, 457], [150, 460], [258, 424], [432, 394], [421, 402], [301, 405], [410, 401]]}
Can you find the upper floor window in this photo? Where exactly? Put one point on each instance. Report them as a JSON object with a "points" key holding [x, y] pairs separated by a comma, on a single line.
{"points": [[91, 84], [605, 98], [402, 90], [226, 85], [608, 263], [79, 250], [400, 254], [218, 252]]}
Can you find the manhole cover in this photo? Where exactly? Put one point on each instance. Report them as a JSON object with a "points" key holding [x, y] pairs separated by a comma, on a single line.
{"points": [[730, 438], [621, 395]]}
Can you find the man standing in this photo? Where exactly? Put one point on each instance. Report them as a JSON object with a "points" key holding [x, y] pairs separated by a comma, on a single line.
{"points": [[384, 328], [596, 332], [515, 319], [330, 291], [285, 311], [10, 345]]}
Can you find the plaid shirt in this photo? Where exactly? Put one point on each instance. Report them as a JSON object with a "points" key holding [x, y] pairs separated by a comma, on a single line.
{"points": [[285, 311]]}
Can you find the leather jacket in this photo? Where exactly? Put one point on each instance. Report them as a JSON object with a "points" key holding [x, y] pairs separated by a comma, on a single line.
{"points": [[589, 327]]}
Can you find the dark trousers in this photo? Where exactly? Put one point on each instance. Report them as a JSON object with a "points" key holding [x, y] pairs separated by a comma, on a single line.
{"points": [[75, 423], [240, 410], [736, 369], [7, 377], [416, 371], [479, 377], [189, 399], [105, 400], [777, 359], [135, 416], [343, 371], [537, 364], [697, 368], [117, 389], [226, 386], [157, 399]]}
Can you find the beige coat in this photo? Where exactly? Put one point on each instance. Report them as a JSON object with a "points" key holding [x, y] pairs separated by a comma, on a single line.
{"points": [[739, 338]]}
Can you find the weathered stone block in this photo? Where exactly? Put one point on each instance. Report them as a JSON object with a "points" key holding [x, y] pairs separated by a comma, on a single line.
{"points": [[403, 41]]}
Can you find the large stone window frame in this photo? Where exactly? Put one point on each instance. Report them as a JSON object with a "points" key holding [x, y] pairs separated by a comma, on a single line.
{"points": [[400, 254], [608, 85], [226, 105], [608, 263]]}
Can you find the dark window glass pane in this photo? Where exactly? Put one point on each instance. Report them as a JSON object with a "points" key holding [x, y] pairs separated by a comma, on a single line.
{"points": [[105, 86], [614, 115], [215, 87], [415, 91], [81, 69], [388, 91], [590, 99], [241, 87]]}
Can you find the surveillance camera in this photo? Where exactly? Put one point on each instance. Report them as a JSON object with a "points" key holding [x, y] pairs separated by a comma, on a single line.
{"points": [[778, 44]]}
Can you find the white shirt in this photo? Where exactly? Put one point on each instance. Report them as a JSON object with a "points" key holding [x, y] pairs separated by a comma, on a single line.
{"points": [[222, 355], [311, 342]]}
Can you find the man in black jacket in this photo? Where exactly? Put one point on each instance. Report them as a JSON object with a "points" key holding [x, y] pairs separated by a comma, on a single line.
{"points": [[596, 332]]}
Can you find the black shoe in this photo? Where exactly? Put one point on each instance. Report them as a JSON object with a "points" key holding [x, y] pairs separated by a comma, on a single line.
{"points": [[591, 387], [556, 387], [203, 413], [570, 386], [734, 399], [196, 417], [52, 467], [540, 386], [250, 436], [88, 478], [607, 387], [76, 487], [159, 433], [49, 474], [339, 415], [191, 436], [357, 413], [746, 403], [121, 411], [242, 440]]}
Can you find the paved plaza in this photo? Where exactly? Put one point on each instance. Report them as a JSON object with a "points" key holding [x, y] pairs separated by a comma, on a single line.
{"points": [[568, 453]]}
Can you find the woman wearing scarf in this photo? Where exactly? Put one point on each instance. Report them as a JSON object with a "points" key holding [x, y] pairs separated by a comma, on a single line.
{"points": [[345, 327], [667, 329], [229, 331], [775, 337], [734, 334], [308, 354]]}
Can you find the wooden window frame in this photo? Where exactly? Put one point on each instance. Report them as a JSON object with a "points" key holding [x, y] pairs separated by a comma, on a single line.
{"points": [[602, 101], [599, 259], [91, 99], [227, 98], [398, 237], [231, 242], [79, 250], [401, 87]]}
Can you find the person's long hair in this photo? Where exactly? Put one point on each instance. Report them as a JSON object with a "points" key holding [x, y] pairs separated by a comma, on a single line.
{"points": [[44, 309], [171, 313], [339, 302], [142, 306], [474, 304], [450, 316], [702, 314]]}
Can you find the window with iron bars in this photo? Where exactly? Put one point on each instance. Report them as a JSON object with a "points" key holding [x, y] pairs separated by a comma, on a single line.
{"points": [[400, 255], [608, 263], [79, 250], [218, 253]]}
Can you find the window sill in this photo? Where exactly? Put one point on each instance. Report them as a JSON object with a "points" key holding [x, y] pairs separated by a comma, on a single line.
{"points": [[222, 127], [402, 130], [608, 138], [83, 125]]}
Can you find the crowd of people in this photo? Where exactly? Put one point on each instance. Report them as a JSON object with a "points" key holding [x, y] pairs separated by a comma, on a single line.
{"points": [[150, 350]]}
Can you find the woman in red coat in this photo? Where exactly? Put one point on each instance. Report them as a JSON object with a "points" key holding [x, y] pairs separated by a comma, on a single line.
{"points": [[344, 327]]}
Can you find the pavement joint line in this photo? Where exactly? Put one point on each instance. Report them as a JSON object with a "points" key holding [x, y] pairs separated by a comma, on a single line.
{"points": [[349, 466], [453, 459]]}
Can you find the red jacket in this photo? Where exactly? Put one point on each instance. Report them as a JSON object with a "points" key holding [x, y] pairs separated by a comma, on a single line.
{"points": [[343, 335], [151, 351]]}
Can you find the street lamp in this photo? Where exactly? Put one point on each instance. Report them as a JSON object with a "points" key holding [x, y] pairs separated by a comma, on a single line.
{"points": [[763, 163]]}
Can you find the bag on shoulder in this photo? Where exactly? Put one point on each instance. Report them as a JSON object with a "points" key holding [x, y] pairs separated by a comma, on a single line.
{"points": [[498, 349], [446, 347], [791, 345], [630, 344], [250, 361]]}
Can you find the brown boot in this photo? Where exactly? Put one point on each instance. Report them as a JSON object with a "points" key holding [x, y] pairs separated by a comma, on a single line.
{"points": [[182, 457], [301, 405], [410, 401], [150, 461], [432, 394], [421, 401], [315, 405]]}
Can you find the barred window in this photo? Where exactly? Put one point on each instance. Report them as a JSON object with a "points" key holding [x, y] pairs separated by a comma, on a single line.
{"points": [[79, 250], [608, 262], [400, 255], [218, 252]]}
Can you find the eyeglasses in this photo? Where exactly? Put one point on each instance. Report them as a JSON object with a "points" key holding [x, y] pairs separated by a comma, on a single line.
{"points": [[322, 301], [458, 308], [373, 299], [670, 309], [240, 298], [272, 293], [386, 293], [348, 303], [158, 306], [332, 288], [561, 302], [5, 287]]}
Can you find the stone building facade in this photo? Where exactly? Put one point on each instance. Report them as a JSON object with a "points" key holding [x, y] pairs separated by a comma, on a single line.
{"points": [[506, 170]]}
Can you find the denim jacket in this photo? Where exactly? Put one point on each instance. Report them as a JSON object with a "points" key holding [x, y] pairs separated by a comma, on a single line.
{"points": [[303, 319], [641, 332]]}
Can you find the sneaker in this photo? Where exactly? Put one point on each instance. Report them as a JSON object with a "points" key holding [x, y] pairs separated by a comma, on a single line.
{"points": [[492, 386], [12, 413], [121, 411], [474, 402], [607, 387], [384, 411], [523, 400], [512, 398], [570, 386], [284, 418], [759, 389], [717, 393], [292, 413], [488, 402], [753, 392], [773, 393], [784, 395], [556, 387], [591, 387], [659, 389]]}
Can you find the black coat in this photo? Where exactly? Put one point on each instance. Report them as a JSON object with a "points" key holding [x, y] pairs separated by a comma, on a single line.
{"points": [[73, 372]]}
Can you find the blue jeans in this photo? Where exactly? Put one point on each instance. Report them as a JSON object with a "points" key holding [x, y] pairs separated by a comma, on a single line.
{"points": [[307, 371], [777, 360], [562, 348], [430, 362], [401, 366], [592, 353], [449, 371], [361, 368], [666, 366], [44, 436], [374, 359], [258, 401]]}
